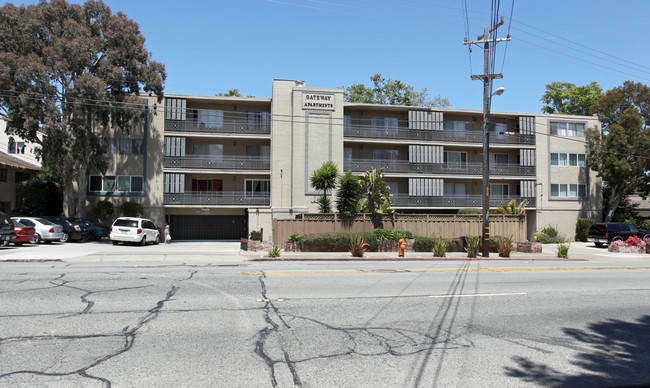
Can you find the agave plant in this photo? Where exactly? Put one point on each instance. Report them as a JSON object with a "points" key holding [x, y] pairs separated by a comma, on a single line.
{"points": [[473, 245], [274, 252], [512, 208], [358, 246]]}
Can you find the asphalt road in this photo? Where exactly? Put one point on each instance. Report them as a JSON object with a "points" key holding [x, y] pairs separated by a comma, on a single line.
{"points": [[231, 323]]}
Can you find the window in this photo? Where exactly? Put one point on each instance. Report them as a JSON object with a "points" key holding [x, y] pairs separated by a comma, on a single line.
{"points": [[454, 125], [202, 185], [499, 128], [455, 158], [263, 151], [3, 174], [126, 146], [347, 154], [383, 154], [123, 183], [138, 147], [110, 145], [568, 191], [499, 159], [257, 188], [455, 189], [14, 147], [258, 120], [347, 122], [563, 160], [499, 190], [567, 129], [207, 118], [385, 125]]}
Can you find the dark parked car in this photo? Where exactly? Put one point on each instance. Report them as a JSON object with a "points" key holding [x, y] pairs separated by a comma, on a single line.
{"points": [[605, 232], [6, 228], [72, 231], [95, 232]]}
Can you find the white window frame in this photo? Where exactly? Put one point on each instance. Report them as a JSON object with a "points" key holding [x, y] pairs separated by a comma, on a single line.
{"points": [[568, 191], [249, 194]]}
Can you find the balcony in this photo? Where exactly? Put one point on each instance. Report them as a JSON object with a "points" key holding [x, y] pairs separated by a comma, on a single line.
{"points": [[218, 163], [397, 166], [454, 201], [229, 126], [219, 198], [468, 136]]}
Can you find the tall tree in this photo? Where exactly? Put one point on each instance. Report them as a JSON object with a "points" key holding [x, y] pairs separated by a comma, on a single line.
{"points": [[324, 179], [349, 194], [70, 72], [619, 151], [232, 93], [375, 189], [567, 98], [392, 92]]}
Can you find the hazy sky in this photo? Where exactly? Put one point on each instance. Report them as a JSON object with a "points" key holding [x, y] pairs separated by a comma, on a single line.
{"points": [[213, 46]]}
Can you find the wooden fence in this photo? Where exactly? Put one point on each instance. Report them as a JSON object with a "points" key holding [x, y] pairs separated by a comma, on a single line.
{"points": [[432, 225]]}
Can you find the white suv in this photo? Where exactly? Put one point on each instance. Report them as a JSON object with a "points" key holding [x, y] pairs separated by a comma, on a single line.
{"points": [[134, 230]]}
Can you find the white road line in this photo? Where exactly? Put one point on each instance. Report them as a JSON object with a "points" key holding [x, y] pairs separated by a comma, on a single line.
{"points": [[476, 295]]}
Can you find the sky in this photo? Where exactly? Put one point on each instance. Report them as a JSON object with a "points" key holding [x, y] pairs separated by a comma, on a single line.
{"points": [[213, 46]]}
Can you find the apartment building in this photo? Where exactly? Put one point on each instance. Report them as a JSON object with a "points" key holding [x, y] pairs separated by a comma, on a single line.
{"points": [[18, 163], [217, 167]]}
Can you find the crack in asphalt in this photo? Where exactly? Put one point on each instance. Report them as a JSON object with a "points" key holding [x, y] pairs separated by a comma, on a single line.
{"points": [[128, 334]]}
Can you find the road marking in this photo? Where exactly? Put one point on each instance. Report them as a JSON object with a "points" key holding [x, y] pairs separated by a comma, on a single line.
{"points": [[476, 295], [344, 272]]}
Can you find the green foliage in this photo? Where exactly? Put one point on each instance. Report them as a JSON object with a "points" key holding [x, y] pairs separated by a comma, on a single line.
{"points": [[423, 243], [349, 193], [562, 251], [342, 239], [473, 243], [470, 210], [375, 189], [391, 92], [440, 247], [39, 197], [324, 179], [548, 235], [274, 251], [255, 235], [358, 246], [294, 237], [103, 210], [512, 208], [131, 209], [567, 98], [391, 234], [582, 227], [643, 225], [66, 54], [503, 245], [624, 112], [232, 93]]}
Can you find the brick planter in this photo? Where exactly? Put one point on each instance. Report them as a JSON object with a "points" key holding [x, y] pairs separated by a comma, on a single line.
{"points": [[527, 247], [627, 249]]}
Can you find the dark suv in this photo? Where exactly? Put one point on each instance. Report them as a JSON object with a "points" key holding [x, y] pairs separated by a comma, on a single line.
{"points": [[6, 228], [606, 232]]}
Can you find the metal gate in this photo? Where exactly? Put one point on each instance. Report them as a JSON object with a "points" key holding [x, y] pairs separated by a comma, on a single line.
{"points": [[206, 227]]}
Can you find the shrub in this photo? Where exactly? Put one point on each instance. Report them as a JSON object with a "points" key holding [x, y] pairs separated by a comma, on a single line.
{"points": [[440, 247], [294, 237], [644, 225], [562, 251], [274, 252], [39, 197], [358, 246], [388, 235], [548, 235], [255, 235], [342, 239], [131, 209], [473, 244], [103, 210], [582, 227], [503, 245], [470, 210], [423, 244]]}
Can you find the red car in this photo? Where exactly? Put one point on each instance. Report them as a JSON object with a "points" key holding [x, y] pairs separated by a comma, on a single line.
{"points": [[24, 234]]}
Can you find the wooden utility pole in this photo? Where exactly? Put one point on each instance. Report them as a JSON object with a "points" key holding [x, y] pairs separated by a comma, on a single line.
{"points": [[486, 77]]}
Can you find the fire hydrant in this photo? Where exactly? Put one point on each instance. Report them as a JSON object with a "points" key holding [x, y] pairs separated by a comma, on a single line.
{"points": [[402, 246]]}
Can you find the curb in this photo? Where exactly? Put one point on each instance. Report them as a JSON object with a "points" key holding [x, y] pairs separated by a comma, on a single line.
{"points": [[407, 259]]}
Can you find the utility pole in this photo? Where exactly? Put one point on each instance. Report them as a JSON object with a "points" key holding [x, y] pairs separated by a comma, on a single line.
{"points": [[486, 77]]}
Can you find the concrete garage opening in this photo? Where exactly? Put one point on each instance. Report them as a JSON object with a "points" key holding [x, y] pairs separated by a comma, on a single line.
{"points": [[207, 227]]}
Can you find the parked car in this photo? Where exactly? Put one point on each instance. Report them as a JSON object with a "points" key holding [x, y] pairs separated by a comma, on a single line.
{"points": [[72, 231], [95, 231], [24, 234], [605, 232], [134, 230], [6, 228], [46, 231]]}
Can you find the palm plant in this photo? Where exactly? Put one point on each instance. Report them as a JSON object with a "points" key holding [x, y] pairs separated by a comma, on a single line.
{"points": [[349, 193], [377, 197], [512, 208], [324, 179]]}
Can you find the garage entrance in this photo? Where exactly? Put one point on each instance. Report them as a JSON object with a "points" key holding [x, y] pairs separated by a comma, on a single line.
{"points": [[206, 227]]}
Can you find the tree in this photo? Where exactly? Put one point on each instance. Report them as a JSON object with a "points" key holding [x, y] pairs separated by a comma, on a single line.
{"points": [[375, 189], [349, 194], [232, 93], [39, 197], [567, 98], [324, 179], [391, 92], [71, 72], [619, 151]]}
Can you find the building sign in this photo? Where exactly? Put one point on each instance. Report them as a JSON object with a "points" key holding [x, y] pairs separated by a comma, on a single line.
{"points": [[205, 210], [319, 101]]}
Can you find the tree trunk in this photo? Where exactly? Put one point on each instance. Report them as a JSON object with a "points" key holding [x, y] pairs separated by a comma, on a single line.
{"points": [[614, 202], [74, 193]]}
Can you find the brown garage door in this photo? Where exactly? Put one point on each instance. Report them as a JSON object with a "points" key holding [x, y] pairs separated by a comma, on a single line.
{"points": [[205, 227]]}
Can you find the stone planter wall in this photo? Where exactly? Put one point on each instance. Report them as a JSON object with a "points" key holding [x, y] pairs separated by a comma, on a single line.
{"points": [[627, 249], [527, 247], [255, 246]]}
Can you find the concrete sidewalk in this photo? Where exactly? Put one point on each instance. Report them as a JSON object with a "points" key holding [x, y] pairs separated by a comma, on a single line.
{"points": [[229, 251]]}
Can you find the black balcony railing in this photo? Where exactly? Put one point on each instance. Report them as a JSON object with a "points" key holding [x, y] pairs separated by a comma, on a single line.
{"points": [[241, 126], [220, 198], [218, 162], [398, 166], [467, 136], [455, 201]]}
